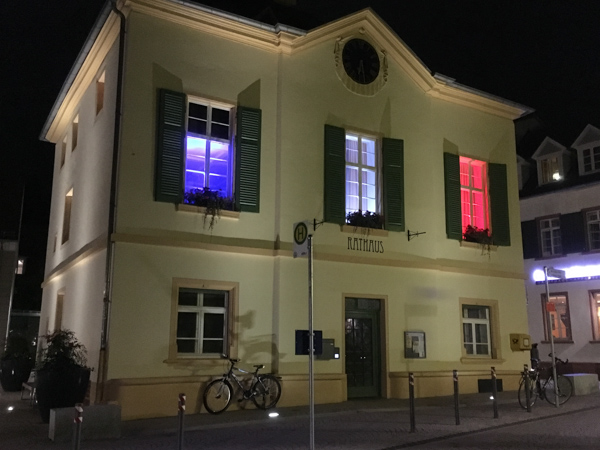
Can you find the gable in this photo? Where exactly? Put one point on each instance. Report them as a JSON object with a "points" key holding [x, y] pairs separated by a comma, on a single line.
{"points": [[589, 135], [548, 147]]}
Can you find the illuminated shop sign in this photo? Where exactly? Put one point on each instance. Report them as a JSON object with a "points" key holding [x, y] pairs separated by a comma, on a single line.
{"points": [[573, 273]]}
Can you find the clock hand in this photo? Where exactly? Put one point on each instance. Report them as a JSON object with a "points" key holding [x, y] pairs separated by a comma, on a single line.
{"points": [[361, 70]]}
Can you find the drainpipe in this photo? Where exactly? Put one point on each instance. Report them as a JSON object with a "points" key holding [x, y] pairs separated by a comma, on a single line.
{"points": [[102, 368]]}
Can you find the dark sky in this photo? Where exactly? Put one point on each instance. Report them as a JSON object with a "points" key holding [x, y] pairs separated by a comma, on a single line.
{"points": [[541, 53]]}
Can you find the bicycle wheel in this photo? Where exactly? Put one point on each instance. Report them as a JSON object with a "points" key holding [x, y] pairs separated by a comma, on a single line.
{"points": [[217, 396], [522, 394], [565, 390], [266, 391]]}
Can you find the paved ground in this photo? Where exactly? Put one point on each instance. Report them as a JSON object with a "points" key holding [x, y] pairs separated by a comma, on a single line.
{"points": [[364, 424]]}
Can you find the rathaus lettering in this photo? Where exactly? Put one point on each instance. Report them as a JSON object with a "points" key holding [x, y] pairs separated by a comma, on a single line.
{"points": [[365, 245]]}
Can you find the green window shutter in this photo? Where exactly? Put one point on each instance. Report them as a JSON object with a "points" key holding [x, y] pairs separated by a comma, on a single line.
{"points": [[499, 204], [170, 147], [247, 159], [529, 233], [452, 194], [572, 230], [335, 175], [393, 184]]}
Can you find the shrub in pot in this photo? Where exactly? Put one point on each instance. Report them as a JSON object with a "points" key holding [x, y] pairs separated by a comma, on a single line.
{"points": [[62, 376], [16, 363]]}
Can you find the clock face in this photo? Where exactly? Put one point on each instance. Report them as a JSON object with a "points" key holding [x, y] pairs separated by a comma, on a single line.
{"points": [[361, 61]]}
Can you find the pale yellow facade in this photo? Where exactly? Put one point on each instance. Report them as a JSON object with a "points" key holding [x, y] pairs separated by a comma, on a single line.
{"points": [[291, 76]]}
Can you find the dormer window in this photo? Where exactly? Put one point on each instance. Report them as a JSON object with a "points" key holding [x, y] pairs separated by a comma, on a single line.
{"points": [[587, 146], [552, 161], [550, 170], [591, 159]]}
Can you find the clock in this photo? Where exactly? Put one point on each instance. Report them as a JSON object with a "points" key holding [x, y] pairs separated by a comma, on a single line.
{"points": [[360, 61]]}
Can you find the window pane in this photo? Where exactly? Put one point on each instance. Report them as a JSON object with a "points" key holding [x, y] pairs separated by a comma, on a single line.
{"points": [[481, 336], [213, 325], [464, 173], [476, 176], [468, 332], [595, 303], [197, 126], [482, 349], [186, 324], [186, 346], [216, 299], [465, 197], [212, 346], [198, 111], [368, 152], [219, 167], [368, 191], [478, 210], [352, 149], [220, 116], [352, 189], [195, 177], [188, 298], [219, 131]]}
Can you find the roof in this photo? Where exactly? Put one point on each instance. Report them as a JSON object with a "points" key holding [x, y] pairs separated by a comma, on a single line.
{"points": [[277, 38]]}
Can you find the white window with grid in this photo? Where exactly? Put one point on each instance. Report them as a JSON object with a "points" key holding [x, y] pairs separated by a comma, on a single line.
{"points": [[550, 236], [201, 322], [593, 229], [591, 159], [361, 174], [476, 330]]}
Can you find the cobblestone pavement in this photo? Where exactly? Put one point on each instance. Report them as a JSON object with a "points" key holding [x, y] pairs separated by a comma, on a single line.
{"points": [[359, 424]]}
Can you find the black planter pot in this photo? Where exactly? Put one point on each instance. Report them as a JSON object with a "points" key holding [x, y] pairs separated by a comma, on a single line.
{"points": [[60, 389], [14, 373]]}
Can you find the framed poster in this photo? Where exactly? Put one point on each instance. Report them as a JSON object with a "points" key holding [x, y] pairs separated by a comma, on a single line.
{"points": [[414, 344]]}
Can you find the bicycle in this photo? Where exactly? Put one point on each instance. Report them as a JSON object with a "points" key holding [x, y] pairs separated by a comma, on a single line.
{"points": [[264, 392], [541, 384]]}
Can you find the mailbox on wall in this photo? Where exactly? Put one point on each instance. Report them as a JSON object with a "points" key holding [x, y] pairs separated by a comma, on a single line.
{"points": [[520, 342]]}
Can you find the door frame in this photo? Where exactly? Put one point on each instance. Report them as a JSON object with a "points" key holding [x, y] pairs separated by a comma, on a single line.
{"points": [[383, 340]]}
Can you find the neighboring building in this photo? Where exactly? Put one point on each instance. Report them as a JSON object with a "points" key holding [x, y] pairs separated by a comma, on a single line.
{"points": [[294, 126], [561, 228], [9, 265]]}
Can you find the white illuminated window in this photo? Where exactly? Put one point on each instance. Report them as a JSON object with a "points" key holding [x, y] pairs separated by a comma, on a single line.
{"points": [[361, 174], [560, 319], [550, 236], [20, 266], [593, 229]]}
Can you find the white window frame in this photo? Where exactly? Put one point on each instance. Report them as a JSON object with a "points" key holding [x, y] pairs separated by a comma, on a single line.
{"points": [[549, 228], [472, 323], [556, 323], [67, 216], [592, 226], [210, 105], [230, 342], [593, 155], [470, 189], [360, 166]]}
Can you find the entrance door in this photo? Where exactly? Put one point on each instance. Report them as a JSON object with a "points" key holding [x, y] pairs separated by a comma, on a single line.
{"points": [[363, 361]]}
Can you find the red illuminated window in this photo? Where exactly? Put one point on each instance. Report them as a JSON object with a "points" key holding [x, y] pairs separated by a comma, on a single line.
{"points": [[473, 188]]}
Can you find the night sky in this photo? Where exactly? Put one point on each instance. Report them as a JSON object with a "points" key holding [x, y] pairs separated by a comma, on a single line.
{"points": [[544, 54]]}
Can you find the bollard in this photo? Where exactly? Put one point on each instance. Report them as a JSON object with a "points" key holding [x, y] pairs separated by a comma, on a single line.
{"points": [[181, 416], [527, 383], [77, 421], [494, 393], [456, 413], [411, 396]]}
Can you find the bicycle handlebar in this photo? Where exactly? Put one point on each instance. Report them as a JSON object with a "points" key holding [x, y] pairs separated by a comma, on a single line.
{"points": [[557, 359]]}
